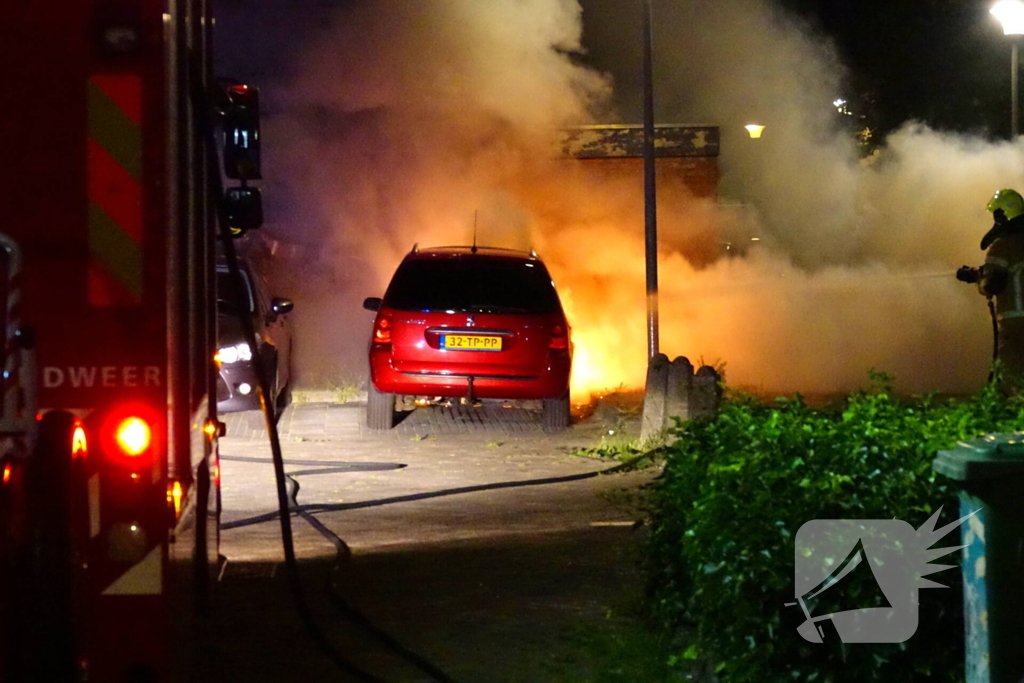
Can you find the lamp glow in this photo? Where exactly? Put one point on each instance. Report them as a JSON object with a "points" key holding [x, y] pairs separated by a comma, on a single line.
{"points": [[754, 130], [1010, 14]]}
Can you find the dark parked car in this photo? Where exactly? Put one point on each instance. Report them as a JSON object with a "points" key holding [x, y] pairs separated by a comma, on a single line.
{"points": [[236, 385], [477, 323]]}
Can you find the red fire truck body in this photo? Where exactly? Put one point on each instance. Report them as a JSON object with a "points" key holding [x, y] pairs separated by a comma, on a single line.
{"points": [[110, 492]]}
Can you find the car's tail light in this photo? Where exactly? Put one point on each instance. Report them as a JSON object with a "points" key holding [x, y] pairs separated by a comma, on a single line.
{"points": [[559, 338], [382, 330], [7, 472]]}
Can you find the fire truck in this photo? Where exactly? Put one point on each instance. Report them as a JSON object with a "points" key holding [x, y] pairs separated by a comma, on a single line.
{"points": [[116, 138]]}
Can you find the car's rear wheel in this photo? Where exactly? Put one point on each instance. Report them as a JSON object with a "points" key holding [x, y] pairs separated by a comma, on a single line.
{"points": [[380, 408], [556, 413]]}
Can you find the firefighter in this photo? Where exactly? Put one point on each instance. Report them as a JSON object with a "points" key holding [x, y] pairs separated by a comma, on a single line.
{"points": [[999, 280]]}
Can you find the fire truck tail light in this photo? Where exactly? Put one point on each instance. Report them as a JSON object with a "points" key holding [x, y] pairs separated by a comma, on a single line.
{"points": [[79, 444], [133, 436]]}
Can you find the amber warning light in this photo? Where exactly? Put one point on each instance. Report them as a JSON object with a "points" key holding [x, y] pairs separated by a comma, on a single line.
{"points": [[174, 496]]}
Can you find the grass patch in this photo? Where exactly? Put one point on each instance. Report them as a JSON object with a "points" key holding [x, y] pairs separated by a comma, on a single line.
{"points": [[620, 651], [342, 387], [616, 444]]}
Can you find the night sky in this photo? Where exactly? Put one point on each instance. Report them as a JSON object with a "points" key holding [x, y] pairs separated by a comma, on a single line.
{"points": [[943, 62]]}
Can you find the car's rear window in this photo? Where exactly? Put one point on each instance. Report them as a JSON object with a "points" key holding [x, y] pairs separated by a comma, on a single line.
{"points": [[470, 285]]}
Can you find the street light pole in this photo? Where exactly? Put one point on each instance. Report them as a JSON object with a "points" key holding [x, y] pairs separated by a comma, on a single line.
{"points": [[650, 203], [1010, 14], [1014, 104]]}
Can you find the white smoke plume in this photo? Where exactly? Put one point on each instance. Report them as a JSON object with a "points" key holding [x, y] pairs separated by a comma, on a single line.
{"points": [[409, 118]]}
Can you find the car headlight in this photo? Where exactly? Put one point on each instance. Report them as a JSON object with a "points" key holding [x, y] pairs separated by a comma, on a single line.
{"points": [[234, 354]]}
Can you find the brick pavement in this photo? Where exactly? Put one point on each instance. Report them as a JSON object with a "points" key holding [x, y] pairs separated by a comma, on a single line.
{"points": [[485, 547], [342, 462], [348, 421]]}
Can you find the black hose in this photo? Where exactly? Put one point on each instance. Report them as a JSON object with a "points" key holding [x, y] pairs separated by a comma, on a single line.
{"points": [[204, 114], [344, 553], [338, 507], [287, 541], [341, 548], [333, 466], [995, 338]]}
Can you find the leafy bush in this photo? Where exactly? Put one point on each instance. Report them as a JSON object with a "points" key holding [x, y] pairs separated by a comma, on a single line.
{"points": [[737, 488]]}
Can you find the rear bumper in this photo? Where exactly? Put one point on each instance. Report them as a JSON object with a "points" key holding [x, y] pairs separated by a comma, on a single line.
{"points": [[548, 382]]}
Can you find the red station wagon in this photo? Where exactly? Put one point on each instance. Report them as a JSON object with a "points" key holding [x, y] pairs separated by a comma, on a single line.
{"points": [[469, 322]]}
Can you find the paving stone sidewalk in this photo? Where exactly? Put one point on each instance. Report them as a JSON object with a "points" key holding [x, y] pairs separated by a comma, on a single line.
{"points": [[348, 421], [465, 462], [476, 539]]}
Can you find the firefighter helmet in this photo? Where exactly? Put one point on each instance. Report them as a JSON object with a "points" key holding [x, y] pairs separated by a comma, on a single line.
{"points": [[1010, 201]]}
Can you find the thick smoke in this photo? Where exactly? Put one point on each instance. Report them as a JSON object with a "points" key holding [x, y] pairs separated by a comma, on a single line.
{"points": [[413, 120]]}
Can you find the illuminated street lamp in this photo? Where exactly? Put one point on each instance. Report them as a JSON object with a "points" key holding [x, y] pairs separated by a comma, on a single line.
{"points": [[1010, 14], [754, 130]]}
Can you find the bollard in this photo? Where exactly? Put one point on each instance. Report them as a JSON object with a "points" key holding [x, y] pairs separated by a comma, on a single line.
{"points": [[678, 391], [655, 398], [706, 397], [991, 472]]}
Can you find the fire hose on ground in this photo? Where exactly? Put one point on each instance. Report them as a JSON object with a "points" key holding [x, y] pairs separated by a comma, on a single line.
{"points": [[284, 499]]}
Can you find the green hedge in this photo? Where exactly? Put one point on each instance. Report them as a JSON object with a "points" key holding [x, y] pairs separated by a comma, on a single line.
{"points": [[736, 489]]}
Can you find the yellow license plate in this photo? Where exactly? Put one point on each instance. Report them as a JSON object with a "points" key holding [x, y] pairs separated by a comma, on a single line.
{"points": [[468, 342]]}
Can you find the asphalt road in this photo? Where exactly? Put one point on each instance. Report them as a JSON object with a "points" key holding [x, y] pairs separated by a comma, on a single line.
{"points": [[473, 538]]}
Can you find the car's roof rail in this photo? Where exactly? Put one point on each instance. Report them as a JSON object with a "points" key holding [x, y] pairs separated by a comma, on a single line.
{"points": [[532, 252]]}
